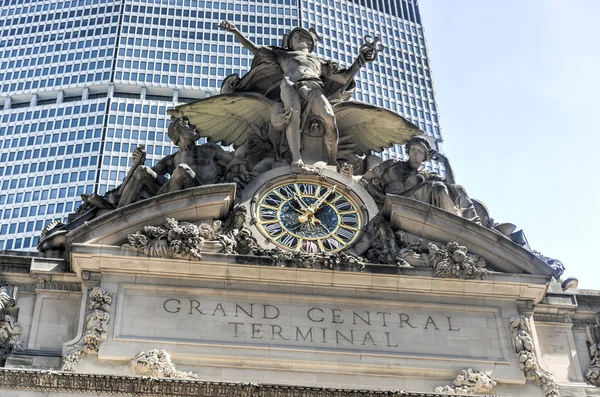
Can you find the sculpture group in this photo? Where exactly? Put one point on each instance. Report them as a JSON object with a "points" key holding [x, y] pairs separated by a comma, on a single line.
{"points": [[293, 109]]}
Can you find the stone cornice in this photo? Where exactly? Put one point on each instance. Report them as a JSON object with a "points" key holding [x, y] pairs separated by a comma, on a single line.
{"points": [[110, 259], [117, 385], [50, 285]]}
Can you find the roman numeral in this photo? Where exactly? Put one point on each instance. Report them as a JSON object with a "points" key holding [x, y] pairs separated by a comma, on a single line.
{"points": [[273, 228], [273, 199], [308, 189], [268, 214], [345, 234], [286, 191], [343, 205], [310, 246], [331, 244], [350, 220], [289, 240]]}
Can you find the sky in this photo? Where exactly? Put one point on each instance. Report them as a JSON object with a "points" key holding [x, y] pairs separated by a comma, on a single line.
{"points": [[518, 90]]}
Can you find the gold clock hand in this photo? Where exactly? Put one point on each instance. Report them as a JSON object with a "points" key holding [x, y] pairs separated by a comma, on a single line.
{"points": [[300, 201], [322, 199]]}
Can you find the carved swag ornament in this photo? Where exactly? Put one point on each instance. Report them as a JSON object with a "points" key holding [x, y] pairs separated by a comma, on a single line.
{"points": [[172, 240], [523, 344], [96, 328], [453, 261], [469, 382], [157, 363]]}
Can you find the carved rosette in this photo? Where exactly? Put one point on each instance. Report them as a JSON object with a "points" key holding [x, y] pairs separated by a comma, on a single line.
{"points": [[453, 261], [469, 382], [157, 363], [96, 328], [523, 344]]}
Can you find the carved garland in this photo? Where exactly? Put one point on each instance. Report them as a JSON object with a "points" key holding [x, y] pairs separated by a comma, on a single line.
{"points": [[172, 240], [593, 373], [96, 328], [157, 363], [523, 344], [469, 382], [10, 331], [185, 240]]}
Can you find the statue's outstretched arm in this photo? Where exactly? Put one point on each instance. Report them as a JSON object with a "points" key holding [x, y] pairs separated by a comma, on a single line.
{"points": [[449, 171], [346, 76], [249, 45], [366, 53]]}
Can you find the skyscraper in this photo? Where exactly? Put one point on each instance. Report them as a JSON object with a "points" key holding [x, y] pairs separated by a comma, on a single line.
{"points": [[83, 82]]}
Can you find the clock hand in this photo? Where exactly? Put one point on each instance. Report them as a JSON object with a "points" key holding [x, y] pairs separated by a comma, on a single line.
{"points": [[322, 199], [300, 201], [297, 210]]}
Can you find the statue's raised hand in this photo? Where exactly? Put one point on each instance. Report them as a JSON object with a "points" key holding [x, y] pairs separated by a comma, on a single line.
{"points": [[228, 27], [139, 155]]}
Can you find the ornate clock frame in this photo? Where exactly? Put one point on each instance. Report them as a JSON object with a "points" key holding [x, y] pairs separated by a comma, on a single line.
{"points": [[355, 193]]}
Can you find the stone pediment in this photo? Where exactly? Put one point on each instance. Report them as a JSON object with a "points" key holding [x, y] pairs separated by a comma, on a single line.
{"points": [[428, 222], [195, 205]]}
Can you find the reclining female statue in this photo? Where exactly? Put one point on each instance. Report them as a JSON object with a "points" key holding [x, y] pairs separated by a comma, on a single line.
{"points": [[408, 179]]}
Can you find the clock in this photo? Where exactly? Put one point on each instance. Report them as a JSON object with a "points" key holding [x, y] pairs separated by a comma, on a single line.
{"points": [[308, 212], [308, 216]]}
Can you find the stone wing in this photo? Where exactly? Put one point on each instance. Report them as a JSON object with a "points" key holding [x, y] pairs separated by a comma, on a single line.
{"points": [[227, 118], [364, 127]]}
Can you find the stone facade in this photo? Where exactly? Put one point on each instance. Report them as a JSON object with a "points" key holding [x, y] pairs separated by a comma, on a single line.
{"points": [[297, 265], [242, 325]]}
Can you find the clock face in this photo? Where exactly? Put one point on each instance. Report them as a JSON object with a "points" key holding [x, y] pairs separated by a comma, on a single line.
{"points": [[308, 216]]}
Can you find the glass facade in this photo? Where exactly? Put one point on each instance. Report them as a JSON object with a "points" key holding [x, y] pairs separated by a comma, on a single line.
{"points": [[83, 82]]}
